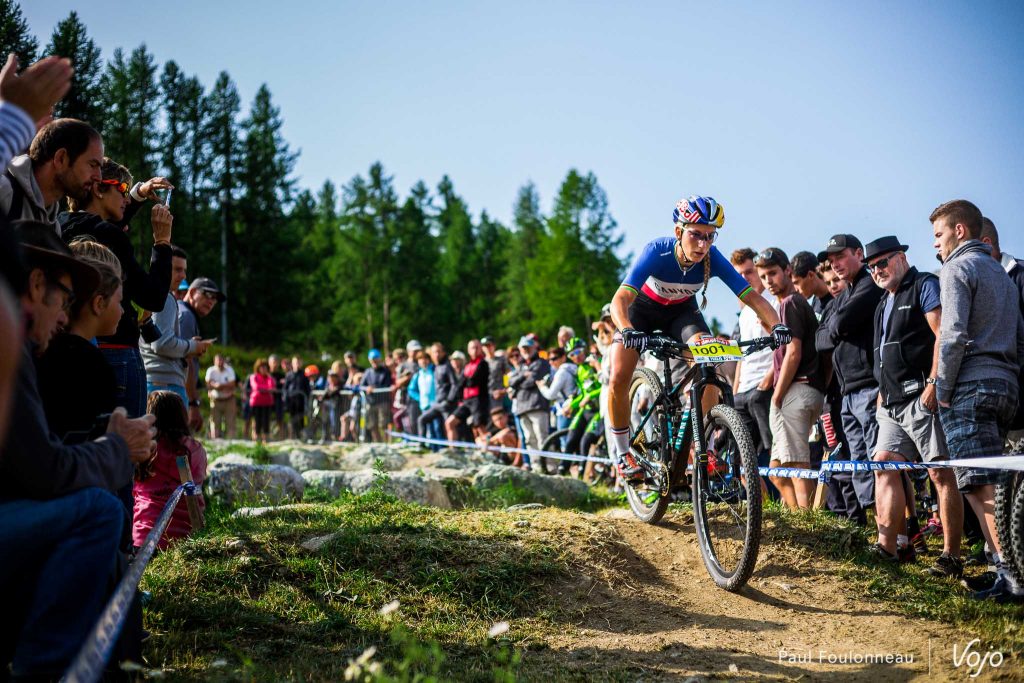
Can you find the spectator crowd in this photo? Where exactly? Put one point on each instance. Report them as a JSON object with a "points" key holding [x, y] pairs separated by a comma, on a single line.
{"points": [[100, 380]]}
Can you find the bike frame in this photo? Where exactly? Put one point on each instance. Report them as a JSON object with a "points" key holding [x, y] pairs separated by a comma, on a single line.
{"points": [[689, 424]]}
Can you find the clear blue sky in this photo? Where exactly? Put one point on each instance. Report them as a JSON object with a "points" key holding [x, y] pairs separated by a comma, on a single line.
{"points": [[803, 118]]}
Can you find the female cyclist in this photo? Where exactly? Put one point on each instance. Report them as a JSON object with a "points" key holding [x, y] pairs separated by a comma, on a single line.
{"points": [[658, 294]]}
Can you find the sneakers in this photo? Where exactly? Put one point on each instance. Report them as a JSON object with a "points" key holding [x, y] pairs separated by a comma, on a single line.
{"points": [[981, 582], [947, 567], [902, 556], [933, 528], [629, 469], [1004, 589]]}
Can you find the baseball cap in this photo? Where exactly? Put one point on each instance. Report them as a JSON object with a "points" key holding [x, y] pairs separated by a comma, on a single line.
{"points": [[413, 345], [205, 284], [527, 341], [183, 287], [374, 354], [487, 339], [837, 243], [458, 355], [40, 243]]}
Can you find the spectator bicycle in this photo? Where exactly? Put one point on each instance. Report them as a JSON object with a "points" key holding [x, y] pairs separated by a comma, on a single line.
{"points": [[724, 482], [592, 443]]}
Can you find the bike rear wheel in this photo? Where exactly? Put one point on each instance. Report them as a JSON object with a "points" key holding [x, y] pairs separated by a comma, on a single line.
{"points": [[727, 500], [646, 499], [1013, 547], [553, 444]]}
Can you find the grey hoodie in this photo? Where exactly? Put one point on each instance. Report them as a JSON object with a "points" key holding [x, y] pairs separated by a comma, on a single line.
{"points": [[32, 207], [982, 332]]}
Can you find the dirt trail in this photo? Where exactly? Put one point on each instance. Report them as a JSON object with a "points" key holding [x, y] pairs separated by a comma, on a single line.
{"points": [[651, 605]]}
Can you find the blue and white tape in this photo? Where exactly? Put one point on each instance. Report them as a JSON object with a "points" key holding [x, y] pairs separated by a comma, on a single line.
{"points": [[533, 453]]}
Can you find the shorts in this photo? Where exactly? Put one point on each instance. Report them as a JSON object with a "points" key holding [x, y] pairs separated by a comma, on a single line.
{"points": [[975, 424], [910, 430], [791, 424], [378, 415], [680, 321], [473, 411]]}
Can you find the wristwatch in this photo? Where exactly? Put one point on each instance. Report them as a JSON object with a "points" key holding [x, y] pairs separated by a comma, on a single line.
{"points": [[194, 403], [930, 380]]}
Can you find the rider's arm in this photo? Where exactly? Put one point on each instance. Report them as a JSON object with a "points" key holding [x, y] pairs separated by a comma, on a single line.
{"points": [[620, 307], [765, 311]]}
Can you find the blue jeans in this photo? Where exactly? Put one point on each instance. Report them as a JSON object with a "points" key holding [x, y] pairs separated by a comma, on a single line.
{"points": [[861, 429], [130, 375], [176, 388], [59, 556], [562, 422]]}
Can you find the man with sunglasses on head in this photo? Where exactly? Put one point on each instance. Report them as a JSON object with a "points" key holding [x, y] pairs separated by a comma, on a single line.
{"points": [[103, 213], [659, 294], [906, 357], [849, 329]]}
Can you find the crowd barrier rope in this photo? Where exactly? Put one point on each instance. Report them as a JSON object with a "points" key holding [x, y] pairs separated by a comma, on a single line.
{"points": [[91, 660], [498, 449]]}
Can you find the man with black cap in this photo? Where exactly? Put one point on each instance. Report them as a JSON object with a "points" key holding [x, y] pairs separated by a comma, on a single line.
{"points": [[203, 294], [850, 330], [60, 523], [906, 359]]}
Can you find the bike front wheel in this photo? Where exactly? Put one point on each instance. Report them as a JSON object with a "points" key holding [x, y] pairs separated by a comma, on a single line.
{"points": [[646, 499], [727, 500]]}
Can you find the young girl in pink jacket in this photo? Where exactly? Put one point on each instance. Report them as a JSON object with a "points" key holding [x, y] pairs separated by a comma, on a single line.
{"points": [[159, 477]]}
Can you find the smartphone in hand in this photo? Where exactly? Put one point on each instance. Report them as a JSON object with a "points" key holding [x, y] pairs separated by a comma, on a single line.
{"points": [[167, 198]]}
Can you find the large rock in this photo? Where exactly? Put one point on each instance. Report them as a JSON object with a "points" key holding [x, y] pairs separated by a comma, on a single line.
{"points": [[365, 456], [230, 459], [412, 487], [331, 481], [240, 483], [562, 491], [302, 460]]}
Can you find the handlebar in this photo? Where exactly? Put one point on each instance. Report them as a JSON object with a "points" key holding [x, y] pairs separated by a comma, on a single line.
{"points": [[663, 346]]}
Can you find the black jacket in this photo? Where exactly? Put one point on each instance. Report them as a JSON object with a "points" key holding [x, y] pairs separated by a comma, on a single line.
{"points": [[851, 330], [147, 290], [904, 360], [35, 464], [77, 385], [444, 382]]}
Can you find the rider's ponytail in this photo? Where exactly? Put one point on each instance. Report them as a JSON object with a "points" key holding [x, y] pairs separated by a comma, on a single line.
{"points": [[707, 277]]}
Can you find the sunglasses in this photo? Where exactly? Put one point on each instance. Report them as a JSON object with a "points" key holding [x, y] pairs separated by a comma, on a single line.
{"points": [[120, 185], [765, 257], [698, 236], [880, 263]]}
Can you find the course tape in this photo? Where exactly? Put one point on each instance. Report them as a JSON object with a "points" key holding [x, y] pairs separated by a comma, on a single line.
{"points": [[92, 658], [499, 449]]}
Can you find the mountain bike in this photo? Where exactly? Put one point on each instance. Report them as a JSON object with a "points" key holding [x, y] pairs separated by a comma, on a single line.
{"points": [[724, 483]]}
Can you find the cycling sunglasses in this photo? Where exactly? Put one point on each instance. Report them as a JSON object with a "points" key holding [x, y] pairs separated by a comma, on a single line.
{"points": [[698, 236], [120, 185]]}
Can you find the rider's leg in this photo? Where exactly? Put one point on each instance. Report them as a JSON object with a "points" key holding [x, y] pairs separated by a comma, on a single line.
{"points": [[623, 363]]}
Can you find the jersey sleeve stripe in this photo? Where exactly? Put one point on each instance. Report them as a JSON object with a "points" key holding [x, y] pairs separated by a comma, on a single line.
{"points": [[629, 287], [746, 291]]}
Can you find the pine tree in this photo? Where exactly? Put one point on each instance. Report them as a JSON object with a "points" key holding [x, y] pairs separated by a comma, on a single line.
{"points": [[418, 310], [14, 34], [266, 280], [457, 266], [84, 100], [516, 316], [222, 157]]}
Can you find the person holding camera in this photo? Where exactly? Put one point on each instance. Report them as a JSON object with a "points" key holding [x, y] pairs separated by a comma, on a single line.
{"points": [[103, 214]]}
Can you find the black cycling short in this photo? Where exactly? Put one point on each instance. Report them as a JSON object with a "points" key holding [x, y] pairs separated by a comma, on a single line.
{"points": [[680, 321], [475, 407]]}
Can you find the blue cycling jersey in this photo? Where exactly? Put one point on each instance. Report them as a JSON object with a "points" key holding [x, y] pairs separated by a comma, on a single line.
{"points": [[657, 275]]}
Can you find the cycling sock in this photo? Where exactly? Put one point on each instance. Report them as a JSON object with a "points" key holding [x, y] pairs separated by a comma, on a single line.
{"points": [[620, 441], [902, 541]]}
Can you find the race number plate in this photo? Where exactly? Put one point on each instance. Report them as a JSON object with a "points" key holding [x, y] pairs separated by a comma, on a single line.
{"points": [[715, 351]]}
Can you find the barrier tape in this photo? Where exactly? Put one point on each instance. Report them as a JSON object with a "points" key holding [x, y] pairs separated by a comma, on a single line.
{"points": [[92, 658], [499, 449]]}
